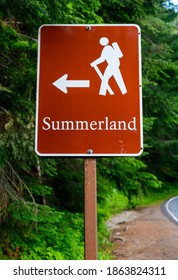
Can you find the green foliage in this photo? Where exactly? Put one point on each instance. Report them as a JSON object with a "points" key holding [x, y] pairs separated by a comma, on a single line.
{"points": [[83, 12], [41, 200], [130, 175], [156, 197], [110, 200], [47, 234]]}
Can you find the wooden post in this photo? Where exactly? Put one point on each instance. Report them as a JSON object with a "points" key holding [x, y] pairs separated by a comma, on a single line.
{"points": [[90, 201]]}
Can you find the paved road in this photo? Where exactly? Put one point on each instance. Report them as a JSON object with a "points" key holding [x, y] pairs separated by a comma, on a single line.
{"points": [[171, 208]]}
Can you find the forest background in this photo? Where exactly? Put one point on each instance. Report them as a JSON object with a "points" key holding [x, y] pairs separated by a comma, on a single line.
{"points": [[41, 199]]}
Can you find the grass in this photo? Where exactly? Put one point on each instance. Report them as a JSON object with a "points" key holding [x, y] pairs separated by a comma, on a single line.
{"points": [[158, 197]]}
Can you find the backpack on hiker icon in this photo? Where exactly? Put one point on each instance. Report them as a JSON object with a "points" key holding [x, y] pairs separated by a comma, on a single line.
{"points": [[117, 49]]}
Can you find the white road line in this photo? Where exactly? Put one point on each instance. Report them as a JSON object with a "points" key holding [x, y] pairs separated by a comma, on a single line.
{"points": [[169, 211]]}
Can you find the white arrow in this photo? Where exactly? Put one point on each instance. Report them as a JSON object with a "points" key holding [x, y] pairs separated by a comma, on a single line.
{"points": [[62, 83]]}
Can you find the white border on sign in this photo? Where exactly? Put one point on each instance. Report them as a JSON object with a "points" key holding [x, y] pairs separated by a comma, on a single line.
{"points": [[140, 97]]}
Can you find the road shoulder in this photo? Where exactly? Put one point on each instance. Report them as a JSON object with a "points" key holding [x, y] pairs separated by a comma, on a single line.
{"points": [[144, 234]]}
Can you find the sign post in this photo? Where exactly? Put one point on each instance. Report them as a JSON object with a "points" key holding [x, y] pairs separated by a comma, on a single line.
{"points": [[89, 100], [90, 209]]}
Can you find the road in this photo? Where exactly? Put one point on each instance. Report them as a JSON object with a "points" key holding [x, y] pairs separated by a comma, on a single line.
{"points": [[145, 234], [170, 208]]}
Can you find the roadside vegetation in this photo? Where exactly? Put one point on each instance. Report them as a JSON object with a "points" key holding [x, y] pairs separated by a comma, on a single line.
{"points": [[41, 199]]}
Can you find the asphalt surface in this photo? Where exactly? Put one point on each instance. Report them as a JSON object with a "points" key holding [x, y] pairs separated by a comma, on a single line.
{"points": [[170, 209]]}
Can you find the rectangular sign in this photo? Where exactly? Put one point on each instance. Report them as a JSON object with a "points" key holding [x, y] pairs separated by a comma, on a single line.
{"points": [[89, 99]]}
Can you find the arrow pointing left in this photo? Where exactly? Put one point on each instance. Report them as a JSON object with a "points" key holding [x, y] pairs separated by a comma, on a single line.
{"points": [[62, 83]]}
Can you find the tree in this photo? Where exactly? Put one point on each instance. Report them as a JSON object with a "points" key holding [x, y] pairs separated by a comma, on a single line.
{"points": [[160, 73]]}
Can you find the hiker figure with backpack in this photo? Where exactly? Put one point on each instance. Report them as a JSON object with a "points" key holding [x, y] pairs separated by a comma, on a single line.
{"points": [[111, 54]]}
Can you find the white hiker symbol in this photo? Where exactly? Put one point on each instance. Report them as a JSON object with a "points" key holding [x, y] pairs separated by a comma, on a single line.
{"points": [[111, 54]]}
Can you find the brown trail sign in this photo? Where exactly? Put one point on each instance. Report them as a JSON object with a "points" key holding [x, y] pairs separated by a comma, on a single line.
{"points": [[89, 91]]}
